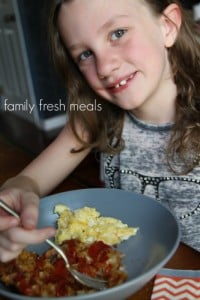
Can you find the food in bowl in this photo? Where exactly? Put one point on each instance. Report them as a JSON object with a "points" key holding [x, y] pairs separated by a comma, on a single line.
{"points": [[47, 276], [87, 225]]}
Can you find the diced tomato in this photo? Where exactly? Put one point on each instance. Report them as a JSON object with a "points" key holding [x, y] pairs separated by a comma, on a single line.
{"points": [[96, 248], [50, 277]]}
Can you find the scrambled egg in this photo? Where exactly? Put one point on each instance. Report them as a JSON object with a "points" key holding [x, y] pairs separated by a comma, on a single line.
{"points": [[86, 225]]}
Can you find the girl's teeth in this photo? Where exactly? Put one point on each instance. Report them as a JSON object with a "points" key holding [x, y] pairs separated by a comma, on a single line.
{"points": [[123, 82]]}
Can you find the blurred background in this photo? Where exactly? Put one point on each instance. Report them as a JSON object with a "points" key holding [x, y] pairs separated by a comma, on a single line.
{"points": [[32, 96]]}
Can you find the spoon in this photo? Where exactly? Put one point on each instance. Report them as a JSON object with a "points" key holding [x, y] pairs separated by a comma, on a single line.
{"points": [[95, 283]]}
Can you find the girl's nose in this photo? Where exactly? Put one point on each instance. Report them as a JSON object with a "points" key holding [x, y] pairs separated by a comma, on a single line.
{"points": [[106, 64]]}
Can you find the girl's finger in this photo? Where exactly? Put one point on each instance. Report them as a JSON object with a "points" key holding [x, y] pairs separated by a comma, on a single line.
{"points": [[10, 246], [29, 212], [8, 222], [35, 236], [6, 255]]}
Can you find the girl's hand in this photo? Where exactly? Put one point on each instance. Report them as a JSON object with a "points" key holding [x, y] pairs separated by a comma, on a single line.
{"points": [[17, 234]]}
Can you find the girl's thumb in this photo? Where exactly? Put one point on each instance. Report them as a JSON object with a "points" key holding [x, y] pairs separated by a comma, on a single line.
{"points": [[29, 215]]}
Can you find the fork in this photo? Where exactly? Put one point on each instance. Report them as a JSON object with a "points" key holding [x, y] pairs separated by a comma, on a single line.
{"points": [[95, 283]]}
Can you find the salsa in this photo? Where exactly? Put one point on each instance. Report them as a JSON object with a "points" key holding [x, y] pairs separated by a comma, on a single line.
{"points": [[47, 276]]}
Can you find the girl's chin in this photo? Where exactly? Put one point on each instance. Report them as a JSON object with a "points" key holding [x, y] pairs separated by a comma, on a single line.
{"points": [[118, 100]]}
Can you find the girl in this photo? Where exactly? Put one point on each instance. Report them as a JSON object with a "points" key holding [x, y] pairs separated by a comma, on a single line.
{"points": [[139, 61]]}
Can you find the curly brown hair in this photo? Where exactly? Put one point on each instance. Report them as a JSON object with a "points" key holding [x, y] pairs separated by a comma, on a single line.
{"points": [[105, 127]]}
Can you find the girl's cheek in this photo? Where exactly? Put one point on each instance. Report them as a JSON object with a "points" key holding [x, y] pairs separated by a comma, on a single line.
{"points": [[90, 75], [129, 51]]}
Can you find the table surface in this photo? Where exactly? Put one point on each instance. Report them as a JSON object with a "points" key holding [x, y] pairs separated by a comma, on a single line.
{"points": [[12, 160]]}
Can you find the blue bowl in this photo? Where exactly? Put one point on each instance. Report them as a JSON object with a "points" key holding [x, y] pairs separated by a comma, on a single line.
{"points": [[145, 253]]}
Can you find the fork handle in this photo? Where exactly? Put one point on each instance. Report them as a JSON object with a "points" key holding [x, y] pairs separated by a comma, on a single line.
{"points": [[7, 208]]}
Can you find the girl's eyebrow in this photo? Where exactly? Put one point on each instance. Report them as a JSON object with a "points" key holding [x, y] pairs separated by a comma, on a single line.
{"points": [[74, 47], [112, 21], [107, 24]]}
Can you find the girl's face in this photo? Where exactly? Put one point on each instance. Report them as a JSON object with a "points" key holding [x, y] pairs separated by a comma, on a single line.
{"points": [[121, 49]]}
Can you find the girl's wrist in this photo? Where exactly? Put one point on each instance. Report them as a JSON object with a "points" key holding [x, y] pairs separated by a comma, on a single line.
{"points": [[22, 182]]}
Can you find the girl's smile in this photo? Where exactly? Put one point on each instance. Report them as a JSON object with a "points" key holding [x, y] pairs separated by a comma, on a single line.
{"points": [[121, 84], [121, 49]]}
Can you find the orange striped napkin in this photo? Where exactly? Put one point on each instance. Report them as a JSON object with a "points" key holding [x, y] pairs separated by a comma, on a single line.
{"points": [[176, 285]]}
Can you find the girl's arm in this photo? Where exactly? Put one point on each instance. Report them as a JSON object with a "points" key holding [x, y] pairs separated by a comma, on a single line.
{"points": [[23, 192], [55, 163]]}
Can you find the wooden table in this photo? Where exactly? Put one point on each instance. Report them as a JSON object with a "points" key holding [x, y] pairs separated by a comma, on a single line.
{"points": [[13, 159]]}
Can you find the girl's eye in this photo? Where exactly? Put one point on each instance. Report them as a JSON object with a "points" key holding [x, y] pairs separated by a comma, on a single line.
{"points": [[117, 34], [84, 55]]}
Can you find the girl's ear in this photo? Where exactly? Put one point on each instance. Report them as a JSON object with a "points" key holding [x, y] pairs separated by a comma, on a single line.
{"points": [[171, 20]]}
